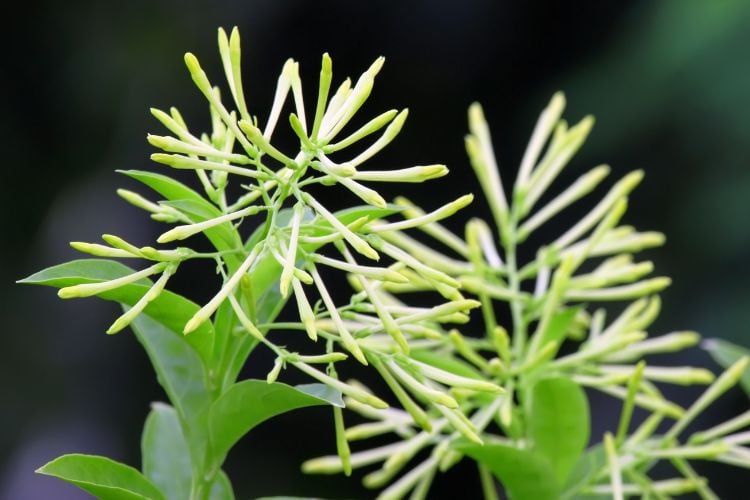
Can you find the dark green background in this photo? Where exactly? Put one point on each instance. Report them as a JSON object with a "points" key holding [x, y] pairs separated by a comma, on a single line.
{"points": [[669, 83]]}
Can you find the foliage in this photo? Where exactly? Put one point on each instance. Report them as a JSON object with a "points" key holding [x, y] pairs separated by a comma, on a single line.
{"points": [[513, 400]]}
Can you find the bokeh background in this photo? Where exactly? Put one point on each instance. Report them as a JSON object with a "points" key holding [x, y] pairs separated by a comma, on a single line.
{"points": [[669, 83]]}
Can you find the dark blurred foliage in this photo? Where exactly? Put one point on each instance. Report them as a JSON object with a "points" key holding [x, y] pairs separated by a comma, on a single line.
{"points": [[668, 81]]}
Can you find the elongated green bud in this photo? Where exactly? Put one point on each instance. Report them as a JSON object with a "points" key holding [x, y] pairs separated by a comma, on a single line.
{"points": [[355, 241], [421, 390], [120, 243], [411, 174], [291, 255], [184, 163], [624, 292], [299, 129], [614, 467], [333, 123], [417, 414], [185, 231], [207, 310], [326, 74], [454, 380], [626, 414], [434, 229], [101, 250], [703, 452], [369, 196], [353, 392], [305, 311], [332, 464], [461, 424], [244, 320], [441, 213], [618, 191], [413, 262], [274, 373], [331, 357], [388, 135], [89, 289], [681, 375], [440, 311], [346, 337], [726, 381], [580, 188], [368, 128], [563, 146], [378, 273], [372, 429], [465, 350], [152, 293], [139, 201], [475, 284], [342, 445], [544, 127], [739, 422], [671, 342], [255, 136], [172, 145]]}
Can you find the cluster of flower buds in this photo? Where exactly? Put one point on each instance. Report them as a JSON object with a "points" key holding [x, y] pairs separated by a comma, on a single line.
{"points": [[296, 237], [549, 297]]}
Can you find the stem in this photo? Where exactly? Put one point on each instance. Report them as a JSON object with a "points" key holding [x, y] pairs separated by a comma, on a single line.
{"points": [[488, 485], [514, 282]]}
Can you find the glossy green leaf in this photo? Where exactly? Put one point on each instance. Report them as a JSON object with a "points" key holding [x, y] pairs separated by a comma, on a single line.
{"points": [[222, 488], [170, 309], [524, 474], [102, 477], [165, 455], [726, 354], [558, 327], [558, 423], [223, 237], [168, 187], [81, 271], [322, 391], [181, 374], [585, 472], [248, 404]]}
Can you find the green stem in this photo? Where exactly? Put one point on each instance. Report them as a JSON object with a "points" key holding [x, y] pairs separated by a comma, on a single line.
{"points": [[488, 485]]}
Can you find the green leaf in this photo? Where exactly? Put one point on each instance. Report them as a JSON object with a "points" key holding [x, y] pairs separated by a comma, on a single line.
{"points": [[558, 423], [102, 477], [170, 309], [168, 187], [248, 404], [165, 455], [525, 475], [322, 391], [181, 374], [223, 237], [222, 488], [558, 327], [726, 354], [585, 472], [81, 271]]}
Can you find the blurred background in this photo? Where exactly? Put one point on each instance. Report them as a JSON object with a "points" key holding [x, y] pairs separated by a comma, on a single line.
{"points": [[669, 83]]}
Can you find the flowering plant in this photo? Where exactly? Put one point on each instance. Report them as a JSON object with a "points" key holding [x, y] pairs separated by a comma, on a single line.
{"points": [[510, 399]]}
